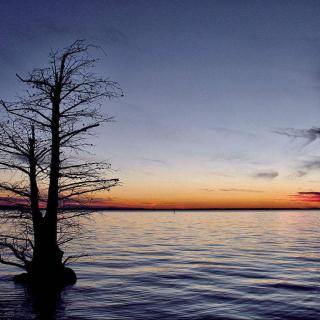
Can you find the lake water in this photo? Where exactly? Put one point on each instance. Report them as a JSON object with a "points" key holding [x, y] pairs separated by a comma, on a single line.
{"points": [[188, 265]]}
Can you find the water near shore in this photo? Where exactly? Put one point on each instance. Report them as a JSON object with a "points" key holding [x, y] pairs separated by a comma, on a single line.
{"points": [[189, 265]]}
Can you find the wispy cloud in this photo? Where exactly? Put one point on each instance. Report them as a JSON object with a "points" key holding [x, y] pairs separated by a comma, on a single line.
{"points": [[229, 190], [307, 196], [298, 173], [310, 135], [233, 132], [12, 201], [268, 174], [239, 190], [208, 189], [154, 161], [301, 173], [313, 164]]}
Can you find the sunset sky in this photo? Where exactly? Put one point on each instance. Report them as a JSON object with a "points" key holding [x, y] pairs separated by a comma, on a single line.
{"points": [[208, 87]]}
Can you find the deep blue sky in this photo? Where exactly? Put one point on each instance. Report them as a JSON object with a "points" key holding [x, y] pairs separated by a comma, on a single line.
{"points": [[207, 84]]}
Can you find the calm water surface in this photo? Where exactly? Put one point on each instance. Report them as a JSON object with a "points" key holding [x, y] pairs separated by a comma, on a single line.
{"points": [[188, 265]]}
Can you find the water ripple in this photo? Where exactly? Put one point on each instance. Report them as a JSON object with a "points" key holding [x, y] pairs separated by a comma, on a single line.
{"points": [[191, 265]]}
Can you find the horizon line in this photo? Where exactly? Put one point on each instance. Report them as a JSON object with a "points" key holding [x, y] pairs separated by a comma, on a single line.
{"points": [[115, 208]]}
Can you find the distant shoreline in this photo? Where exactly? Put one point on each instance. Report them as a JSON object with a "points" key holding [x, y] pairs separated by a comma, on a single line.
{"points": [[3, 208]]}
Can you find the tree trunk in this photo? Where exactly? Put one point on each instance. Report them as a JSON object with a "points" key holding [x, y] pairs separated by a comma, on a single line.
{"points": [[53, 254], [47, 257]]}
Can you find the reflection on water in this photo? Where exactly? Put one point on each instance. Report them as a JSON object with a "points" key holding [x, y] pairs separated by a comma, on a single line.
{"points": [[188, 265]]}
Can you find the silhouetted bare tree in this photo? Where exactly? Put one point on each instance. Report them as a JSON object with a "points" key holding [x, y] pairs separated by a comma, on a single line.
{"points": [[41, 137]]}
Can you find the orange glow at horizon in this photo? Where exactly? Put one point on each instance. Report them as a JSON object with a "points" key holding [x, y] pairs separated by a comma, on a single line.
{"points": [[153, 195], [206, 200]]}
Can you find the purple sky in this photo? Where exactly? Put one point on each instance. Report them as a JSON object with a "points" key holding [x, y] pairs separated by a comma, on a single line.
{"points": [[207, 84]]}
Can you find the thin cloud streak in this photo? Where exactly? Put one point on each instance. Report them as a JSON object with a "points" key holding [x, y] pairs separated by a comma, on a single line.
{"points": [[308, 134], [154, 161], [311, 165], [230, 190], [266, 175], [307, 196], [239, 190]]}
